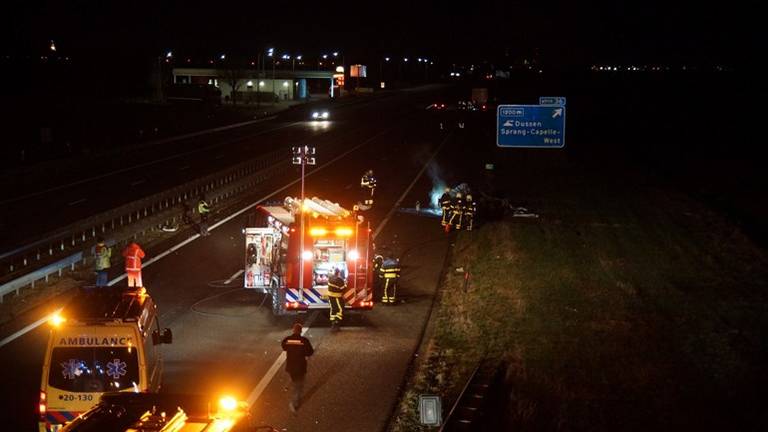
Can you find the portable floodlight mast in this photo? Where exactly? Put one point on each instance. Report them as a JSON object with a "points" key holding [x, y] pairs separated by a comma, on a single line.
{"points": [[304, 155]]}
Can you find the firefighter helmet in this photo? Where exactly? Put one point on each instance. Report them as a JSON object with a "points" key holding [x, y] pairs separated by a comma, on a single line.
{"points": [[458, 194], [469, 197]]}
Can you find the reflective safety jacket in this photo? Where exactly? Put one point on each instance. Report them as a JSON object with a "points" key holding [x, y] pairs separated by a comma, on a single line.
{"points": [[378, 260], [390, 268], [368, 181], [202, 207], [457, 206], [336, 286], [445, 200], [103, 254], [470, 208], [133, 255]]}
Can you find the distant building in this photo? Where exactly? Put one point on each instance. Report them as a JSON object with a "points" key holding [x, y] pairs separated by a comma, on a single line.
{"points": [[251, 85]]}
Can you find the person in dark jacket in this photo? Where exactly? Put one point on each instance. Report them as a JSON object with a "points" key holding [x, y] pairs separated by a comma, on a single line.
{"points": [[297, 348], [445, 206], [336, 287]]}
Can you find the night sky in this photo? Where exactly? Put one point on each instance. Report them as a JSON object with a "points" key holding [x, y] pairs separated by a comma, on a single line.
{"points": [[566, 32]]}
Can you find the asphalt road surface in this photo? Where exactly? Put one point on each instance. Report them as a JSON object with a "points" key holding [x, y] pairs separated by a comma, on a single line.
{"points": [[39, 202], [225, 339]]}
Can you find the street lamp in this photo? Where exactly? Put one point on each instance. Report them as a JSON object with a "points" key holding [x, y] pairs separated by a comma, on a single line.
{"points": [[304, 155]]}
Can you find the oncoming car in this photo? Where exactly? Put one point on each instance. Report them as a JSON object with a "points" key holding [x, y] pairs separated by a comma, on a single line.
{"points": [[320, 115]]}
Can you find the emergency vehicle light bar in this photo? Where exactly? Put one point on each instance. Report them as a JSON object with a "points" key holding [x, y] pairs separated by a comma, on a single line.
{"points": [[339, 232]]}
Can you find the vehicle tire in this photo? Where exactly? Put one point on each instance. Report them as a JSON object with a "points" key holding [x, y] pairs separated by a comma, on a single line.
{"points": [[278, 300]]}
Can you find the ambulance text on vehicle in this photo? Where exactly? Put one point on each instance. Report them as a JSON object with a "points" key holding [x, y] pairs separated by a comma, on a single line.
{"points": [[101, 342]]}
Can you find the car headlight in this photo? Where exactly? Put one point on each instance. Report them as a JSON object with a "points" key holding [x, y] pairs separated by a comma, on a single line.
{"points": [[315, 115], [325, 114]]}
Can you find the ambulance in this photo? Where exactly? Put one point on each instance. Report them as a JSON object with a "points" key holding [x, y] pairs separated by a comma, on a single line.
{"points": [[294, 271], [100, 342]]}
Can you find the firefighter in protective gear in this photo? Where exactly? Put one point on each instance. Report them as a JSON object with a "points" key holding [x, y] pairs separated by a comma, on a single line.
{"points": [[457, 211], [445, 205], [368, 183], [133, 255], [470, 210], [390, 272], [378, 278], [336, 287]]}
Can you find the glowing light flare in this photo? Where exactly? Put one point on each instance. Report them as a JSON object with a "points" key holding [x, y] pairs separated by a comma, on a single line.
{"points": [[43, 406], [227, 403], [353, 255], [317, 232], [307, 255], [57, 320], [343, 231]]}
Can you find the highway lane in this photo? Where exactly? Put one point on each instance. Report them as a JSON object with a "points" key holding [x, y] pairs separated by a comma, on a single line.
{"points": [[234, 350], [112, 182]]}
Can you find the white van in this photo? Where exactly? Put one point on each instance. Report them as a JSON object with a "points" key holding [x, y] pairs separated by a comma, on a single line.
{"points": [[100, 342]]}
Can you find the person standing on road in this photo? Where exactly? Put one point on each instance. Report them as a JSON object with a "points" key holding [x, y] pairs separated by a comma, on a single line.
{"points": [[457, 212], [390, 271], [204, 210], [133, 255], [103, 255], [336, 287], [378, 276], [297, 348], [445, 205], [368, 183], [470, 210]]}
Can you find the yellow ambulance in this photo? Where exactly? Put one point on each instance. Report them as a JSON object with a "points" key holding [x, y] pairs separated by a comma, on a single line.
{"points": [[100, 342]]}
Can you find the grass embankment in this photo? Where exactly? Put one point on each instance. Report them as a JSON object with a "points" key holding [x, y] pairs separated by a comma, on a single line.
{"points": [[648, 312]]}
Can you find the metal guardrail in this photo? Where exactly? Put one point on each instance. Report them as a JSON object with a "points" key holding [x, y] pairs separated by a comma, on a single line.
{"points": [[40, 259], [448, 422], [65, 247], [43, 273]]}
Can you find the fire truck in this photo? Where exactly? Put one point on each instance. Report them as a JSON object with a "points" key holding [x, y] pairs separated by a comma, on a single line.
{"points": [[294, 272]]}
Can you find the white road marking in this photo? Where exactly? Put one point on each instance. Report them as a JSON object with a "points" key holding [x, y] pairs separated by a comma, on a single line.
{"points": [[408, 189], [76, 202], [267, 378], [237, 273], [194, 237], [138, 182], [28, 328]]}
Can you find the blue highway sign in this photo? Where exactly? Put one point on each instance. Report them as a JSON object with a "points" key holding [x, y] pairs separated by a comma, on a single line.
{"points": [[552, 100], [536, 126]]}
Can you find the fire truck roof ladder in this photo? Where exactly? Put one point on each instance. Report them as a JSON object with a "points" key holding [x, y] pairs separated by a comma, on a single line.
{"points": [[325, 208]]}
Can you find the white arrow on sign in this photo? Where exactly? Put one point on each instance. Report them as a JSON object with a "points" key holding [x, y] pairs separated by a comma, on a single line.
{"points": [[557, 112]]}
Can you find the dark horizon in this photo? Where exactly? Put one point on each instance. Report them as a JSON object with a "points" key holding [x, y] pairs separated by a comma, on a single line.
{"points": [[566, 34]]}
